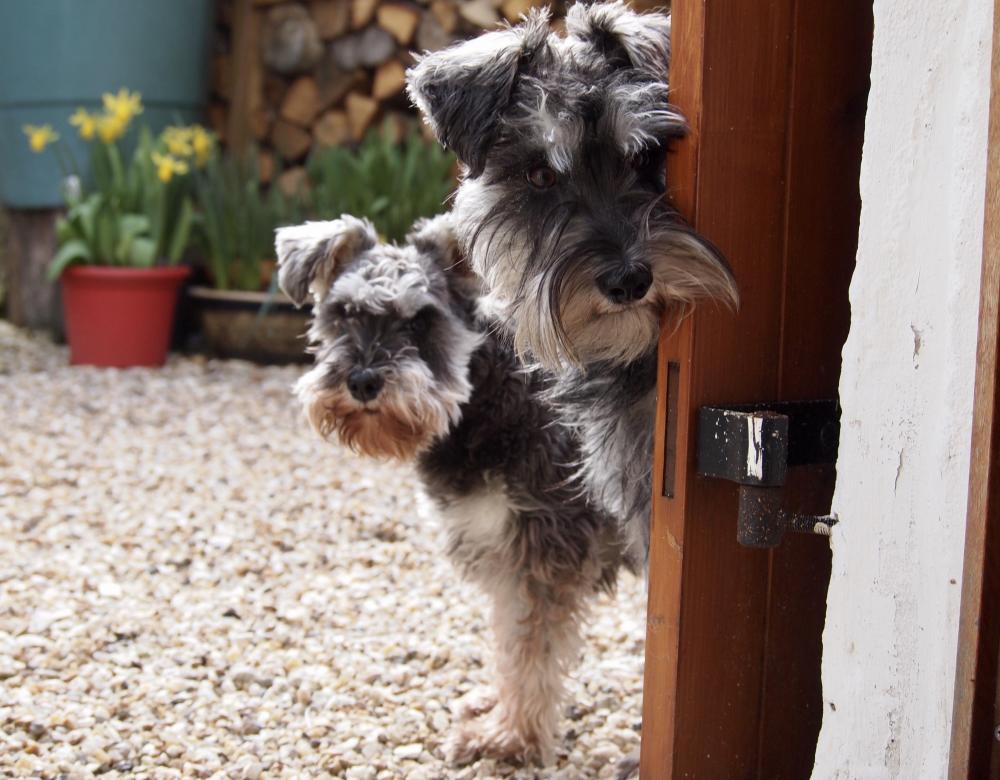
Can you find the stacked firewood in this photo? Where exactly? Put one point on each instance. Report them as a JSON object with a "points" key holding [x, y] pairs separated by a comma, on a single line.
{"points": [[290, 76]]}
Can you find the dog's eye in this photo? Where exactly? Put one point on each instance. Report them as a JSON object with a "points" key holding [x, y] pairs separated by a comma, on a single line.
{"points": [[421, 321], [541, 177]]}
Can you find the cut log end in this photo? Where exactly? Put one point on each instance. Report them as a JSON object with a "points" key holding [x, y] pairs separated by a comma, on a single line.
{"points": [[361, 111], [390, 78], [399, 20], [302, 101]]}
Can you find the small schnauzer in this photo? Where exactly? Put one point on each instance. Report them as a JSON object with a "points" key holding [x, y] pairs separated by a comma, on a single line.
{"points": [[561, 212], [406, 367]]}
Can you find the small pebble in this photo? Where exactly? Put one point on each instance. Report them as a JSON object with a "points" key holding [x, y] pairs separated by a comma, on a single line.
{"points": [[408, 751]]}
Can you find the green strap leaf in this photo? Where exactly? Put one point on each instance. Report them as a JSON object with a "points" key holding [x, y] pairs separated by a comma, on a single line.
{"points": [[143, 252], [65, 231], [130, 227], [182, 232], [105, 241], [75, 251], [86, 215]]}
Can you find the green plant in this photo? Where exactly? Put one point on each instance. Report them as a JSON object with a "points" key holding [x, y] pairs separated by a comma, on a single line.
{"points": [[137, 215], [237, 219], [140, 211], [391, 184]]}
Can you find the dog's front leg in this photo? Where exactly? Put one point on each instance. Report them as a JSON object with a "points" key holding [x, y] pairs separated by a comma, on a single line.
{"points": [[536, 635]]}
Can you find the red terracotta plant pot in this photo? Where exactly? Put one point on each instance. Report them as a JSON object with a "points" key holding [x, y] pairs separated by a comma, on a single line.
{"points": [[120, 317]]}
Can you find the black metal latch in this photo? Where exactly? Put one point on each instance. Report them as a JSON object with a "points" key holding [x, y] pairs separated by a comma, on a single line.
{"points": [[753, 445]]}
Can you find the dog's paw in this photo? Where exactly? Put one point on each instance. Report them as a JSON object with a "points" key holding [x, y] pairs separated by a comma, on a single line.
{"points": [[473, 740], [628, 767], [489, 737], [476, 702]]}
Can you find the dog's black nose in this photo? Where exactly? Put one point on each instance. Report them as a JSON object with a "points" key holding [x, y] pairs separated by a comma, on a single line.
{"points": [[626, 283], [364, 384]]}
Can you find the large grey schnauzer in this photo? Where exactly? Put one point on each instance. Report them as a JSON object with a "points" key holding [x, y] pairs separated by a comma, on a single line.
{"points": [[561, 211]]}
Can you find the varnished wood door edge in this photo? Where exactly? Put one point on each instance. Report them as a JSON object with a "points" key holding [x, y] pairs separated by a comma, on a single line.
{"points": [[660, 673], [978, 635], [659, 699]]}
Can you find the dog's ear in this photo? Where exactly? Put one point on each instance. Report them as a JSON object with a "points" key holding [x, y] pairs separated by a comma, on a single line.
{"points": [[311, 255], [463, 90], [435, 238], [637, 40]]}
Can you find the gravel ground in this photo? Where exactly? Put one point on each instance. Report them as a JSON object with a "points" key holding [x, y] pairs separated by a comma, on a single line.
{"points": [[193, 585]]}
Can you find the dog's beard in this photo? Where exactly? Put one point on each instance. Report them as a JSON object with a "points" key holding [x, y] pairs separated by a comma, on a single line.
{"points": [[546, 286], [595, 330], [578, 325], [589, 328], [410, 413], [384, 431]]}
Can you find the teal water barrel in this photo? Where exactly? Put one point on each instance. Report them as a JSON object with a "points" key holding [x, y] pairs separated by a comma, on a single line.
{"points": [[59, 55]]}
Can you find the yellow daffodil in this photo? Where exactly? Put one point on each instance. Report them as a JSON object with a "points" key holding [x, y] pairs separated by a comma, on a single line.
{"points": [[110, 127], [85, 122], [178, 141], [40, 136], [167, 166], [202, 142], [124, 106]]}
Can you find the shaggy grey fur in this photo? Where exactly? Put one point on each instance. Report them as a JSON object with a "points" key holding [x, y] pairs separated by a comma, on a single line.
{"points": [[398, 339], [561, 211]]}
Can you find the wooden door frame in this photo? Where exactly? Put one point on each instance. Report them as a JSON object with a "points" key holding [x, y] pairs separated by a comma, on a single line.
{"points": [[975, 750], [732, 677]]}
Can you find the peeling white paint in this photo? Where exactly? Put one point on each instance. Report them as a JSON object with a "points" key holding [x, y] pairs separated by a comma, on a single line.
{"points": [[755, 447], [906, 391]]}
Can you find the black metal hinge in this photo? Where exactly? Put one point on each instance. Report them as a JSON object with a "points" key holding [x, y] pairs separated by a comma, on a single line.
{"points": [[753, 445]]}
